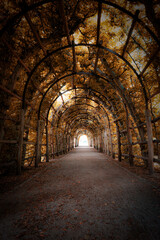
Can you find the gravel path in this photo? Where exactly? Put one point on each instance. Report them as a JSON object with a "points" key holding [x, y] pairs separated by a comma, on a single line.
{"points": [[82, 195]]}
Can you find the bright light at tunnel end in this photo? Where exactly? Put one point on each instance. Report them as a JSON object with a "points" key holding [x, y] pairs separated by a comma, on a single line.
{"points": [[83, 141]]}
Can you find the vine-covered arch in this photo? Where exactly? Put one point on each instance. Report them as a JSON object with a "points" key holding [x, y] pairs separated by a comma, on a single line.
{"points": [[58, 56]]}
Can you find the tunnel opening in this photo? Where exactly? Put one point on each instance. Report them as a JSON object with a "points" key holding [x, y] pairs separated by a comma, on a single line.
{"points": [[83, 141]]}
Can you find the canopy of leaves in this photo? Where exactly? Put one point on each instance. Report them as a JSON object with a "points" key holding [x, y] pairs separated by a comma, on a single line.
{"points": [[56, 60]]}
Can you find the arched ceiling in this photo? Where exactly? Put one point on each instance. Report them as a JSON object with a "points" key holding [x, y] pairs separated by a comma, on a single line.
{"points": [[79, 63]]}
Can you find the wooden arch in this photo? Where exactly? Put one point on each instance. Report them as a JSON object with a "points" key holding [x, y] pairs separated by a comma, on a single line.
{"points": [[128, 106]]}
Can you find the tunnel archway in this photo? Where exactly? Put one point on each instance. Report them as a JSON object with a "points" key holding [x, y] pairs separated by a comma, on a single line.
{"points": [[83, 141], [94, 67]]}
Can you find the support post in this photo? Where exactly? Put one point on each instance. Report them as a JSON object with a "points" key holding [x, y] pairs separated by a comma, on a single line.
{"points": [[72, 142], [47, 146], [107, 142], [95, 142], [52, 144], [61, 142], [129, 138], [57, 143], [69, 143], [20, 143], [98, 143], [110, 138], [150, 142], [64, 144], [91, 142], [37, 160], [101, 142], [119, 142], [76, 142]]}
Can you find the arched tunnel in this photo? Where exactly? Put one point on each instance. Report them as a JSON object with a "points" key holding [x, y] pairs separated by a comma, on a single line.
{"points": [[79, 68]]}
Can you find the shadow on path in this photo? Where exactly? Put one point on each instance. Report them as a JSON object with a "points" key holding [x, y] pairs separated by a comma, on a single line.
{"points": [[82, 195]]}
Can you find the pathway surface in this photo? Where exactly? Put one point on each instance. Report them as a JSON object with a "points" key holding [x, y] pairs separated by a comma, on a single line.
{"points": [[82, 195]]}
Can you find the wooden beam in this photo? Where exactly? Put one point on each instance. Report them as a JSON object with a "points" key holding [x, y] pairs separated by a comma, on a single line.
{"points": [[150, 61], [54, 109], [98, 33], [116, 120], [140, 143], [7, 164], [52, 143], [10, 92], [37, 88], [123, 131], [64, 144], [155, 119], [141, 157], [18, 97], [145, 142], [130, 32], [150, 141], [29, 142], [57, 143], [35, 32], [8, 141], [62, 12], [154, 94], [99, 21], [36, 35], [16, 55], [29, 157], [129, 138], [20, 142], [62, 98], [75, 95], [73, 81], [119, 142], [37, 160], [142, 124], [5, 118], [74, 57], [139, 125], [156, 160], [47, 143], [14, 95], [29, 126], [61, 144], [110, 136], [96, 60], [101, 142], [74, 63], [107, 142]]}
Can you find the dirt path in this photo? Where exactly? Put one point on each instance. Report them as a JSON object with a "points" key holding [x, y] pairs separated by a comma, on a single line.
{"points": [[81, 196]]}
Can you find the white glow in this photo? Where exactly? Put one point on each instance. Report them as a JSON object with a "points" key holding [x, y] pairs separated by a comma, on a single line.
{"points": [[83, 141]]}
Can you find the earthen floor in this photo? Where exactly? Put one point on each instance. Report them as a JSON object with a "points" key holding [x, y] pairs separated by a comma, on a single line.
{"points": [[82, 195]]}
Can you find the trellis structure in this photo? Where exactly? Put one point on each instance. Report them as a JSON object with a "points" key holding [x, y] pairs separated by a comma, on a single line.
{"points": [[70, 67]]}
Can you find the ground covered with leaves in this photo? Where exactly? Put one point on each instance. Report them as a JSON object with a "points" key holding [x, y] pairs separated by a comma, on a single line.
{"points": [[82, 195]]}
